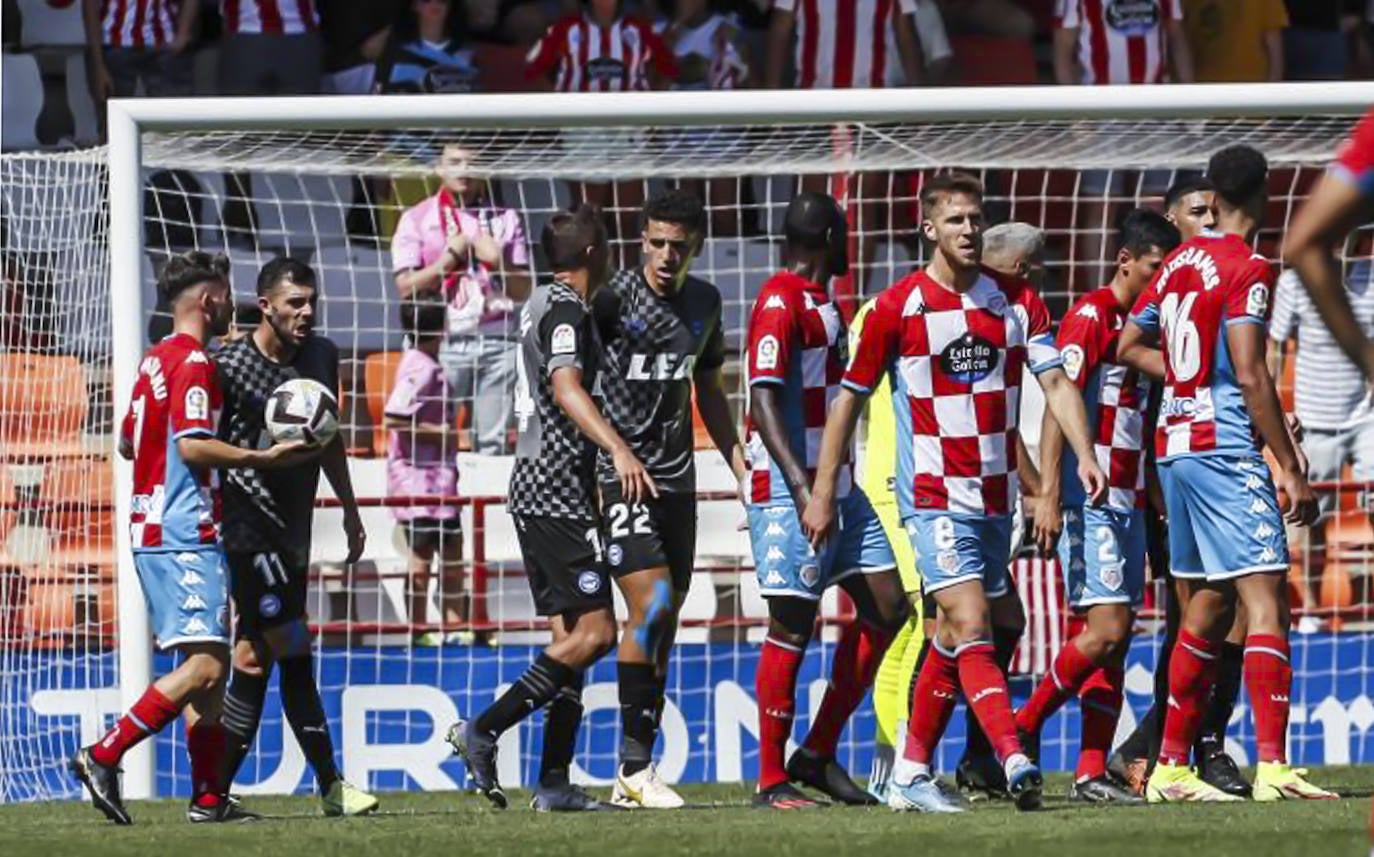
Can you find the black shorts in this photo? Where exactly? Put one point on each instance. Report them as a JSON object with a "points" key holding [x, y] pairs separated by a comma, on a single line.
{"points": [[564, 565], [269, 590], [432, 534], [650, 534], [1157, 544]]}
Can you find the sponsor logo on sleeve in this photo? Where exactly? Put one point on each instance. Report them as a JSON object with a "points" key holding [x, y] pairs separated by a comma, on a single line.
{"points": [[766, 354], [1073, 361], [564, 340], [1257, 300], [197, 404]]}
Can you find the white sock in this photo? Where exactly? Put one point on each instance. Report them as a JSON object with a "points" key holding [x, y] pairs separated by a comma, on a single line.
{"points": [[905, 771]]}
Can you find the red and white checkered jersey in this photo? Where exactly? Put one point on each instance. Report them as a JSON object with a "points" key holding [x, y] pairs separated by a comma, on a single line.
{"points": [[175, 506], [287, 17], [138, 23], [587, 57], [847, 44], [1115, 395], [797, 342], [1355, 161], [1204, 286], [956, 363], [1120, 41]]}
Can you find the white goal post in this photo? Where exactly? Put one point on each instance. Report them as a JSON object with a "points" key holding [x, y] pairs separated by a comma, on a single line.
{"points": [[905, 129]]}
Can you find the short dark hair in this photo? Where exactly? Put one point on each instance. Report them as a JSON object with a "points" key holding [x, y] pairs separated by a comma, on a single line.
{"points": [[1142, 229], [568, 234], [946, 184], [424, 315], [677, 206], [1184, 185], [190, 268], [281, 269], [1240, 173]]}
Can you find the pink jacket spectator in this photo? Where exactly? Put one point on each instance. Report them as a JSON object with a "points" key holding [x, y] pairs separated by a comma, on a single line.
{"points": [[417, 467]]}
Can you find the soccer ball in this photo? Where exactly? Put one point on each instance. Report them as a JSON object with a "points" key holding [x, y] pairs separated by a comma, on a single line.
{"points": [[302, 409]]}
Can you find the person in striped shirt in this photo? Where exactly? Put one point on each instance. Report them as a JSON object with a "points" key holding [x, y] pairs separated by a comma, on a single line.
{"points": [[128, 41], [1120, 41]]}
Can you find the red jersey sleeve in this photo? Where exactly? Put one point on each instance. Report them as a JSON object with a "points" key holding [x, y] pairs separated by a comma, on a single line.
{"points": [[546, 52], [1081, 340], [877, 343], [1251, 294], [774, 328], [659, 53], [193, 396], [1355, 161]]}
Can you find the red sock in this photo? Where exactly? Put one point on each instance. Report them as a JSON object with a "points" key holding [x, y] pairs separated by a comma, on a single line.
{"points": [[152, 712], [985, 689], [1066, 675], [1100, 700], [1268, 680], [775, 684], [857, 657], [1192, 670], [932, 702], [205, 744]]}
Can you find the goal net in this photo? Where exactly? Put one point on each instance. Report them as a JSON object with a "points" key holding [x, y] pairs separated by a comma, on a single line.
{"points": [[396, 662]]}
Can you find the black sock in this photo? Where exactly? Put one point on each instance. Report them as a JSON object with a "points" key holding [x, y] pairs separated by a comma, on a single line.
{"points": [[561, 722], [536, 687], [661, 689], [638, 715], [300, 700], [1137, 744], [1004, 641], [243, 703], [1230, 667]]}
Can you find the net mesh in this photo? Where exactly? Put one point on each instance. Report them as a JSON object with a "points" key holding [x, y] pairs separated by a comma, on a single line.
{"points": [[333, 200]]}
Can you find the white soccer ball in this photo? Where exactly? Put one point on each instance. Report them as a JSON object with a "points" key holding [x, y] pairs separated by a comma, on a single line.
{"points": [[302, 409]]}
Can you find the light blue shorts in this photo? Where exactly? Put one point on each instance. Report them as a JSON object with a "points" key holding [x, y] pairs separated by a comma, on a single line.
{"points": [[953, 548], [187, 593], [1224, 519], [1102, 555], [786, 564]]}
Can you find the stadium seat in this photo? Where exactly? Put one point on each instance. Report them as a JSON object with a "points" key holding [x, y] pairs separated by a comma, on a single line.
{"points": [[379, 373], [86, 131], [43, 402], [79, 495], [993, 61], [358, 299], [23, 102], [49, 24], [61, 612]]}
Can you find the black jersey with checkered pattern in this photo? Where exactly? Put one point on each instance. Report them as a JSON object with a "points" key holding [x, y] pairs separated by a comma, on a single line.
{"points": [[554, 472], [654, 345], [267, 510]]}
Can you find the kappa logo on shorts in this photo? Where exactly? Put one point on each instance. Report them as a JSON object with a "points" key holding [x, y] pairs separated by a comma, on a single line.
{"points": [[193, 602], [772, 578], [269, 605], [1253, 482], [1268, 555], [776, 511], [1264, 531], [195, 626], [810, 575], [615, 554], [188, 558], [589, 582], [1258, 507], [775, 529], [190, 578], [1077, 565], [774, 553]]}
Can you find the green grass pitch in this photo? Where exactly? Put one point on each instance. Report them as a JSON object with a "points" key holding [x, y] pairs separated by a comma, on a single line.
{"points": [[461, 825]]}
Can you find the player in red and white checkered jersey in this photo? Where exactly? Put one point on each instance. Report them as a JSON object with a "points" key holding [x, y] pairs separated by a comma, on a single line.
{"points": [[1340, 202], [1120, 41], [954, 339], [797, 346], [169, 432], [1102, 552], [601, 50]]}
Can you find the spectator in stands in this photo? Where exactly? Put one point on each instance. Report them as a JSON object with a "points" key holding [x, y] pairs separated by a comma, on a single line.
{"points": [[428, 51], [133, 41], [1236, 41], [270, 47], [459, 244], [1329, 392], [354, 34], [1316, 45], [1004, 18], [422, 442], [602, 49]]}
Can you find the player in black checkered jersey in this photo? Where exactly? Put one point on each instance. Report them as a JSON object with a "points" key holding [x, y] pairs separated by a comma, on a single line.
{"points": [[266, 530], [661, 328], [553, 505]]}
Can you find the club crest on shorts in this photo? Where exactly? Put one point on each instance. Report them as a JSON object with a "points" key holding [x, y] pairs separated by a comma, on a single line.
{"points": [[947, 560], [614, 554], [810, 575], [1111, 576], [269, 605], [589, 582]]}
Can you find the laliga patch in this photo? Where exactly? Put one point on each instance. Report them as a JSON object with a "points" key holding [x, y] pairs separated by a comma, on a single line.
{"points": [[766, 356], [269, 605], [1073, 361], [197, 404], [1257, 300], [589, 582], [615, 554], [969, 359], [564, 340]]}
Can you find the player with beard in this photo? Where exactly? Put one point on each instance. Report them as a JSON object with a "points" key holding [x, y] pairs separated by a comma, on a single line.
{"points": [[662, 337], [267, 525]]}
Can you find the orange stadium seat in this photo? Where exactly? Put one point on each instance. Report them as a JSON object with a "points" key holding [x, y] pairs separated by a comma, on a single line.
{"points": [[993, 61], [59, 612], [79, 496], [43, 405], [379, 374]]}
